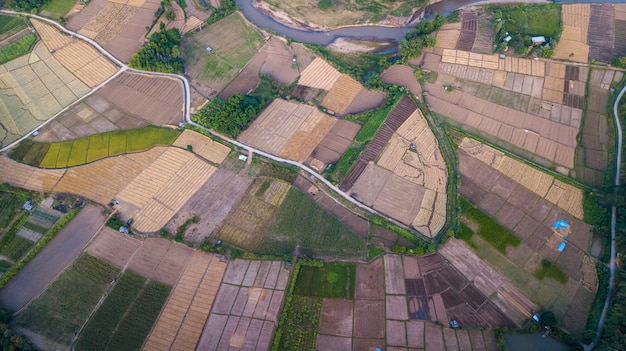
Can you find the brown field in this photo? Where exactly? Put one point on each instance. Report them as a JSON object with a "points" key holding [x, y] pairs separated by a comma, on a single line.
{"points": [[336, 318], [575, 19], [80, 58], [119, 26], [341, 95], [278, 61], [448, 35], [370, 281], [102, 180], [246, 307], [483, 44], [365, 100], [248, 222], [155, 99], [336, 142], [319, 74], [181, 321], [27, 177], [203, 146], [161, 260], [404, 76], [113, 247], [288, 129]]}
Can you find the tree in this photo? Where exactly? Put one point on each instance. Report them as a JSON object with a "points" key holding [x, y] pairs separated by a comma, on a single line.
{"points": [[420, 37], [620, 62], [170, 15], [161, 54]]}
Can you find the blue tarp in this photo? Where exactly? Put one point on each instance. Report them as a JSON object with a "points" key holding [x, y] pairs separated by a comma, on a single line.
{"points": [[562, 246], [561, 224]]}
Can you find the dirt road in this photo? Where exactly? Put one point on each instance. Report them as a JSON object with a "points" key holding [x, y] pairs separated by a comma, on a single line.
{"points": [[52, 259]]}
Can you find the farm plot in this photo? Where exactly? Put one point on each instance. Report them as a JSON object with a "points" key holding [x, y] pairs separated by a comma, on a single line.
{"points": [[341, 94], [248, 222], [247, 306], [184, 315], [573, 43], [113, 247], [161, 260], [523, 133], [592, 155], [448, 35], [334, 144], [78, 57], [319, 74], [404, 76], [468, 31], [288, 129], [27, 177], [301, 222], [601, 32], [33, 88], [233, 43], [203, 146], [162, 188], [119, 26], [483, 44], [155, 99], [213, 201], [65, 305]]}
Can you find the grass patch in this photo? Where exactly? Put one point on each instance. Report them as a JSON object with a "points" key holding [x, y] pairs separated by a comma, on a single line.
{"points": [[92, 148], [347, 160], [115, 222], [18, 48], [281, 171], [466, 234], [373, 121], [58, 8], [332, 280], [490, 230], [62, 309], [374, 251], [8, 23], [17, 248], [550, 270], [301, 221]]}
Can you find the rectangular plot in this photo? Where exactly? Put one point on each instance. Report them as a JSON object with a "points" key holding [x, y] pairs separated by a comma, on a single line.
{"points": [[251, 273], [225, 299], [236, 271], [394, 274]]}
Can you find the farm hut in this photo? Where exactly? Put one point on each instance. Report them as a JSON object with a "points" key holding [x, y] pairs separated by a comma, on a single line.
{"points": [[538, 40]]}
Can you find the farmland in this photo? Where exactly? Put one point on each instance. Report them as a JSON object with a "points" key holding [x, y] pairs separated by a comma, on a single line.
{"points": [[57, 8], [126, 316], [300, 221], [233, 44], [64, 306], [93, 148], [17, 48]]}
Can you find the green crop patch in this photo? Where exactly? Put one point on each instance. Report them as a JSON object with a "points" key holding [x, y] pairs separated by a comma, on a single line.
{"points": [[301, 221], [9, 23], [64, 154], [490, 230], [98, 147], [550, 270], [145, 138], [78, 156], [50, 160], [332, 280], [117, 142], [18, 48], [16, 248], [64, 306], [57, 8]]}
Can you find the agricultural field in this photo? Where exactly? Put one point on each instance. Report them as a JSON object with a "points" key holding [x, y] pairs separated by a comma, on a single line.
{"points": [[573, 43], [27, 177], [93, 148], [246, 224], [303, 223], [162, 188], [233, 44], [287, 129], [391, 302], [183, 317], [202, 146], [247, 307], [334, 144], [527, 202], [404, 76], [65, 305], [119, 26], [57, 8], [78, 57], [11, 218], [126, 315], [19, 241], [401, 172]]}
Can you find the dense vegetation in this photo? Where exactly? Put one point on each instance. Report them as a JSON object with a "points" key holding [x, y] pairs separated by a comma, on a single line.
{"points": [[161, 54], [232, 116], [226, 8], [9, 339], [17, 48], [420, 37], [25, 5]]}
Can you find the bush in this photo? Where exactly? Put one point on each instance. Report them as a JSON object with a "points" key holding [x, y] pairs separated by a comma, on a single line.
{"points": [[325, 4]]}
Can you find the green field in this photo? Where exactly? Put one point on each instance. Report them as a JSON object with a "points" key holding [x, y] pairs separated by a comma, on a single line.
{"points": [[233, 44], [490, 230], [125, 318], [301, 221], [17, 248], [302, 314], [57, 8], [12, 217], [92, 148], [64, 306], [18, 48], [550, 270], [10, 24], [333, 280]]}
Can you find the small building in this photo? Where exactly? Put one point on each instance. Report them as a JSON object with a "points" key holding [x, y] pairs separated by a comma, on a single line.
{"points": [[28, 206], [209, 49], [243, 158], [538, 40], [124, 229], [507, 38]]}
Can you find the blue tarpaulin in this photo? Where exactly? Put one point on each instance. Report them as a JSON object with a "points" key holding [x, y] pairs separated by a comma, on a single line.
{"points": [[561, 224], [562, 246]]}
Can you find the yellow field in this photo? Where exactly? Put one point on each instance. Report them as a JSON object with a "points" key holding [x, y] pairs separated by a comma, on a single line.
{"points": [[203, 146], [162, 189], [319, 74], [341, 94], [471, 59], [573, 43], [566, 196], [448, 35], [181, 322], [27, 177], [109, 22]]}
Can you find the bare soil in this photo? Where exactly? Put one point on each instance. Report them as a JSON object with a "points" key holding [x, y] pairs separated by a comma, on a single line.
{"points": [[161, 260], [336, 318], [113, 247], [370, 280]]}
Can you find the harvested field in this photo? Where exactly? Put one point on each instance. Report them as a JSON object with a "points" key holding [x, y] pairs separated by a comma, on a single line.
{"points": [[288, 129], [365, 100], [448, 35], [33, 88], [573, 43], [601, 32], [248, 222], [336, 142], [336, 318], [246, 307], [181, 321], [27, 177], [341, 94], [213, 201], [404, 76], [370, 281], [158, 100], [113, 174], [113, 247], [161, 260], [278, 61], [203, 146], [319, 74], [162, 188]]}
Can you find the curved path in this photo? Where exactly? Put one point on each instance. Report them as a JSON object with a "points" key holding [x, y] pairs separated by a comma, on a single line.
{"points": [[618, 164]]}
